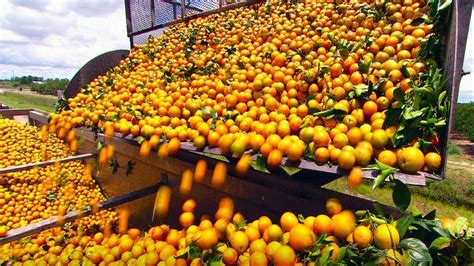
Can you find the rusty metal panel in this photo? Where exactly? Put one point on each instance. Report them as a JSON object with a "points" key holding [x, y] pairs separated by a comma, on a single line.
{"points": [[91, 70]]}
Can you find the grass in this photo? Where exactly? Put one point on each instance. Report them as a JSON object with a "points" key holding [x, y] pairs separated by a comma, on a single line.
{"points": [[453, 149], [24, 100], [451, 197]]}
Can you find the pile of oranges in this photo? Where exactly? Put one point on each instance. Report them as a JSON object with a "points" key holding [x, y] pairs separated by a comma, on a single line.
{"points": [[281, 79], [230, 240], [29, 196]]}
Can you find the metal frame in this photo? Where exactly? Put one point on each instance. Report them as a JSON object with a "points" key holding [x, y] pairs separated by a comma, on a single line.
{"points": [[184, 18]]}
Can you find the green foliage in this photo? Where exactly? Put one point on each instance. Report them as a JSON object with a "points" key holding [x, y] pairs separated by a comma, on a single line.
{"points": [[453, 149], [464, 120], [25, 80], [50, 86]]}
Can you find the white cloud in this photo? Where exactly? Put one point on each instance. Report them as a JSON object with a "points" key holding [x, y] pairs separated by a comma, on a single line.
{"points": [[57, 37]]}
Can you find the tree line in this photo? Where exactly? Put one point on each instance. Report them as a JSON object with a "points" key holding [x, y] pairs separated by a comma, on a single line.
{"points": [[40, 85]]}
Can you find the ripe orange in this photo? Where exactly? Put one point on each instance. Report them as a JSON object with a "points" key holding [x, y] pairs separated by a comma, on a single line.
{"points": [[362, 236], [355, 177], [258, 258], [288, 220], [207, 239], [284, 256], [432, 161], [410, 160], [393, 258], [239, 241], [387, 157], [322, 224], [333, 206], [301, 237], [321, 155], [343, 225], [379, 138], [274, 158], [386, 236], [346, 160]]}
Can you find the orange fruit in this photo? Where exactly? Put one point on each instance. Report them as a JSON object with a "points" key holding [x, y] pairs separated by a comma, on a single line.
{"points": [[258, 258], [410, 160], [301, 237], [322, 224], [362, 236], [284, 256], [288, 220], [186, 219], [333, 206], [346, 160], [321, 155], [355, 177], [343, 225], [333, 248], [432, 161], [274, 158], [379, 138], [393, 258], [239, 241], [387, 157], [207, 239], [386, 236]]}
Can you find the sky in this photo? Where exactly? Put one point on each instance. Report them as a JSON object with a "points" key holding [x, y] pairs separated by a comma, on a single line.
{"points": [[54, 38]]}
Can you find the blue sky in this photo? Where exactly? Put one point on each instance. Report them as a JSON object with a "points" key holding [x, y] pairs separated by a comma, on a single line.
{"points": [[54, 38]]}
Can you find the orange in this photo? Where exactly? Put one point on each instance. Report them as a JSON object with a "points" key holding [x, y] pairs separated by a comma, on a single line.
{"points": [[386, 236], [410, 160], [301, 237], [288, 220], [321, 155], [362, 236], [186, 219], [346, 160], [219, 175], [243, 164], [387, 157], [263, 223], [3, 231], [393, 258], [321, 138], [343, 225], [379, 138], [432, 161], [333, 206], [200, 171], [322, 224], [363, 156], [355, 177], [207, 239], [274, 158], [239, 241], [189, 205], [272, 233], [258, 258], [284, 256], [355, 135]]}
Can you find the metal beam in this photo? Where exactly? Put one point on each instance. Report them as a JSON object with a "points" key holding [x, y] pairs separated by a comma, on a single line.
{"points": [[41, 164], [51, 222]]}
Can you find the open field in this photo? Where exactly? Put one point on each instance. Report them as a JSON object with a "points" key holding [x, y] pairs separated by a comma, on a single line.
{"points": [[22, 99]]}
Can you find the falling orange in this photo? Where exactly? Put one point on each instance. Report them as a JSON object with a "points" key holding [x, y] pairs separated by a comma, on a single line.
{"points": [[219, 174], [186, 182], [162, 201]]}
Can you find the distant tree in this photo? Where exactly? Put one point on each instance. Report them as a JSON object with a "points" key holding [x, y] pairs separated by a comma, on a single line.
{"points": [[50, 86]]}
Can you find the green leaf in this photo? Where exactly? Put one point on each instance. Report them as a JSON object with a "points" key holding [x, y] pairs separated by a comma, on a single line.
{"points": [[259, 165], [330, 113], [130, 167], [216, 156], [392, 117], [401, 195], [418, 21], [440, 243], [301, 218], [460, 224], [99, 145], [399, 95], [403, 224], [289, 170], [194, 251], [416, 250]]}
